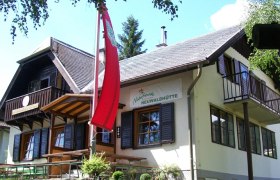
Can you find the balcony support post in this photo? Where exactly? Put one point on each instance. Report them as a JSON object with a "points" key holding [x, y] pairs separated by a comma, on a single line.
{"points": [[248, 141]]}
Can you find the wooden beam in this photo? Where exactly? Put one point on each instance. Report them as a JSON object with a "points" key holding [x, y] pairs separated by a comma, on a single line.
{"points": [[62, 114], [81, 110], [121, 105], [51, 135]]}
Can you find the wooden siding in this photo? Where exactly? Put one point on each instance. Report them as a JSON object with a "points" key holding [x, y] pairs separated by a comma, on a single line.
{"points": [[42, 97]]}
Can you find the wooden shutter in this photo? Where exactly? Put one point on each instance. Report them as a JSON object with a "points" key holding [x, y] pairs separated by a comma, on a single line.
{"points": [[36, 147], [221, 65], [80, 136], [44, 141], [127, 130], [16, 149], [68, 136], [167, 123]]}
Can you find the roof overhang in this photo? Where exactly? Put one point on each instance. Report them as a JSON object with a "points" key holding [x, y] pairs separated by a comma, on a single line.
{"points": [[72, 106], [69, 105]]}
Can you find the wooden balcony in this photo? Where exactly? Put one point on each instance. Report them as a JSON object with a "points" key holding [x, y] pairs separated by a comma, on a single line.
{"points": [[263, 102], [29, 105]]}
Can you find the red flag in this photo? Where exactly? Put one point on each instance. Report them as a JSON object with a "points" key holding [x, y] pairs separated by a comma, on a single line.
{"points": [[106, 109]]}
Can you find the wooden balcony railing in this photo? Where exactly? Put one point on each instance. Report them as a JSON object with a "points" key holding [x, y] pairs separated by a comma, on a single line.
{"points": [[243, 85], [17, 109]]}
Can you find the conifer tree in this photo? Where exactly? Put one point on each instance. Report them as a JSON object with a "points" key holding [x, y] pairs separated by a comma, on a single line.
{"points": [[130, 41]]}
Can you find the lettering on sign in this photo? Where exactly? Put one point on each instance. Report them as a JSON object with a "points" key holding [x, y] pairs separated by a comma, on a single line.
{"points": [[24, 109], [156, 93]]}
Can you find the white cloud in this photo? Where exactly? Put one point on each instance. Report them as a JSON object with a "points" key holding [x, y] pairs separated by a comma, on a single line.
{"points": [[230, 15]]}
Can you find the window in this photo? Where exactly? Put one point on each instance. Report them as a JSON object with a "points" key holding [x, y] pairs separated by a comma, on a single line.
{"points": [[269, 144], [147, 127], [104, 137], [222, 127], [233, 69], [59, 138], [28, 146], [254, 135], [64, 136], [38, 84]]}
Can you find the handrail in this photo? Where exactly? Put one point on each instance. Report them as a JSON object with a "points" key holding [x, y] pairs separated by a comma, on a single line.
{"points": [[15, 110], [243, 85]]}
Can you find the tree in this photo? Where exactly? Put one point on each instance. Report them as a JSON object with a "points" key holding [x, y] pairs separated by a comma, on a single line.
{"points": [[130, 41], [264, 12], [37, 11]]}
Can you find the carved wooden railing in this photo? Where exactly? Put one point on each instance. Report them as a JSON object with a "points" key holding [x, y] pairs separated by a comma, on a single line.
{"points": [[243, 85], [30, 104]]}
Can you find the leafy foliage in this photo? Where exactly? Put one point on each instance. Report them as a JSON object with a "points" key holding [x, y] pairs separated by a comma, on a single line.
{"points": [[118, 175], [130, 41], [168, 171], [37, 11], [95, 166], [264, 12], [145, 176]]}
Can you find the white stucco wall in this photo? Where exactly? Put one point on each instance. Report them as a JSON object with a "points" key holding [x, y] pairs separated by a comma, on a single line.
{"points": [[4, 140], [215, 157], [176, 153]]}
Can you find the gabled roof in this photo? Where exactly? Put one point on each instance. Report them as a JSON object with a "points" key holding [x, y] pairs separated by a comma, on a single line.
{"points": [[177, 57], [75, 65]]}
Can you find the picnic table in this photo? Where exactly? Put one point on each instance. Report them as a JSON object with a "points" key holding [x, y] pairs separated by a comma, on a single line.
{"points": [[75, 160]]}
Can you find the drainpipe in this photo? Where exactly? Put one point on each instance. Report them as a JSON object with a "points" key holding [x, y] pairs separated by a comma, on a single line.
{"points": [[190, 117]]}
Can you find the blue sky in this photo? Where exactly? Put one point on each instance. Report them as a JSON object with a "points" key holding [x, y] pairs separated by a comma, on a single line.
{"points": [[76, 26]]}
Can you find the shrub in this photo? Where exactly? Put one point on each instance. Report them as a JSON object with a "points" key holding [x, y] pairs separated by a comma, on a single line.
{"points": [[145, 176], [94, 166], [168, 172], [118, 175], [172, 170]]}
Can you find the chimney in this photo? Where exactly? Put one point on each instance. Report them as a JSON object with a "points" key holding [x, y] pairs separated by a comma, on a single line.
{"points": [[163, 37]]}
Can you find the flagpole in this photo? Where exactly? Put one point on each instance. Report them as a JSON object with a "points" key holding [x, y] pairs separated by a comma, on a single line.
{"points": [[95, 86]]}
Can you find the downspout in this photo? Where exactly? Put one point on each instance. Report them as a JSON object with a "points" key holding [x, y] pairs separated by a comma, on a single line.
{"points": [[199, 67]]}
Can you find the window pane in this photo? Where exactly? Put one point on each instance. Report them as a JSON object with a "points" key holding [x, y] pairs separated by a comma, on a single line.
{"points": [[241, 135], [269, 143], [253, 138], [258, 142], [143, 139], [274, 145], [264, 138], [231, 130], [148, 126], [215, 125], [144, 117], [59, 138], [28, 149], [224, 128]]}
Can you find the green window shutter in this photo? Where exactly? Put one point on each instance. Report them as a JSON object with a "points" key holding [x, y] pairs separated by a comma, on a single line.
{"points": [[44, 141], [80, 136], [16, 149], [127, 130], [167, 123], [68, 136], [36, 147]]}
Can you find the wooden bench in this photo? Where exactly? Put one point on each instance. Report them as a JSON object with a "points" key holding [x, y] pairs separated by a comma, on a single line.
{"points": [[72, 162]]}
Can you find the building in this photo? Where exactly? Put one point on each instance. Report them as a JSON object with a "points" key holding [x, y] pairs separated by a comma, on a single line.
{"points": [[199, 92], [4, 139]]}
